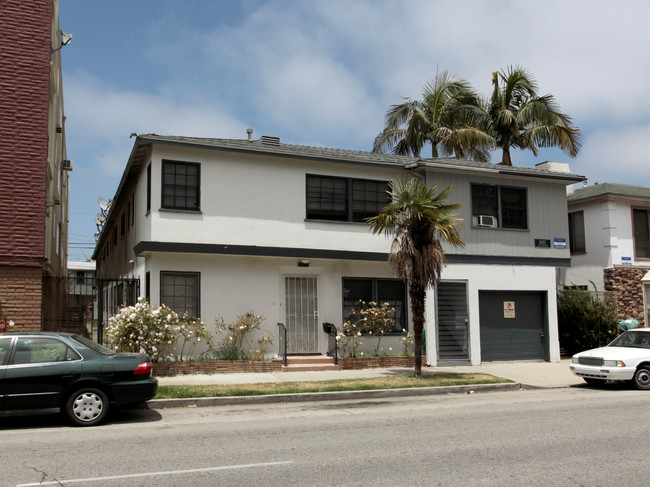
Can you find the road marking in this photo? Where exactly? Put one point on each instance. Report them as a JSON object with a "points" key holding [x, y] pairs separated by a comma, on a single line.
{"points": [[153, 474]]}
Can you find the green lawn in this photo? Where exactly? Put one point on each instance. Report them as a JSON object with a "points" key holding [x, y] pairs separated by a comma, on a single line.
{"points": [[393, 382]]}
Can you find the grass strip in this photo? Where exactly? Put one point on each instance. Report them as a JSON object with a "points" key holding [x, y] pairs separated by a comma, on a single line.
{"points": [[392, 382]]}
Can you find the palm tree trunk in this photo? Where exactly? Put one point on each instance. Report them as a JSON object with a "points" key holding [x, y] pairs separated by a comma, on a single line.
{"points": [[505, 160], [417, 293]]}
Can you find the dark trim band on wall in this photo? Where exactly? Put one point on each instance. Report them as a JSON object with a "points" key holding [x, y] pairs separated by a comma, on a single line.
{"points": [[301, 253]]}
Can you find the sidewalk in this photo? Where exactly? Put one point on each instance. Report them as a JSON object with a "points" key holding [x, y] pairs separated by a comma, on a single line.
{"points": [[529, 374]]}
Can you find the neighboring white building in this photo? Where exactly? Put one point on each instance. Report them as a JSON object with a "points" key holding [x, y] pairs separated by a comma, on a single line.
{"points": [[217, 227], [610, 244]]}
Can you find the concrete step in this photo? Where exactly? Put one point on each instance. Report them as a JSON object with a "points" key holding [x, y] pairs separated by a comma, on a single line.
{"points": [[309, 363]]}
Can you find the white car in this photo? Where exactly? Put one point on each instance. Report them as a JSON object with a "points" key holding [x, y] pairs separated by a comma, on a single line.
{"points": [[627, 358]]}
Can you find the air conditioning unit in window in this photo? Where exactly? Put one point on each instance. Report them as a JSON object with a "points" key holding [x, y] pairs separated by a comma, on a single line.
{"points": [[66, 164], [486, 221]]}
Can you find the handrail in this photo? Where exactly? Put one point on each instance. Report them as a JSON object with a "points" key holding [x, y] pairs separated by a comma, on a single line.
{"points": [[282, 352], [333, 345]]}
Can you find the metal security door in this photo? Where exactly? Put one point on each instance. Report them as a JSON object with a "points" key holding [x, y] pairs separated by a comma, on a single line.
{"points": [[301, 304], [452, 322]]}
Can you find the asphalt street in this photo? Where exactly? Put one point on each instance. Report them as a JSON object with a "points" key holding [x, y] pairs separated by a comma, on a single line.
{"points": [[538, 437]]}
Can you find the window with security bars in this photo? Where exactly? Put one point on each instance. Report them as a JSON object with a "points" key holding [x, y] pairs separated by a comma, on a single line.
{"points": [[345, 199], [180, 291], [391, 291], [181, 182], [507, 206]]}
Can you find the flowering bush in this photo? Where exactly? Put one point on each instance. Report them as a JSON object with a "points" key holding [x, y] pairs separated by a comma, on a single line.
{"points": [[407, 342], [141, 328], [236, 342], [6, 325], [368, 320], [192, 331], [349, 339]]}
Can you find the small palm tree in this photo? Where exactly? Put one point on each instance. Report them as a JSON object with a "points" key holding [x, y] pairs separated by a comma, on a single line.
{"points": [[420, 222], [444, 118], [518, 117]]}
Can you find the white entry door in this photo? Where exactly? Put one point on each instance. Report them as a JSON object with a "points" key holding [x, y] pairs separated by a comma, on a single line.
{"points": [[301, 305]]}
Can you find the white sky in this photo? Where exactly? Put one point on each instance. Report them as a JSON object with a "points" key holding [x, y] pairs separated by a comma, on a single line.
{"points": [[323, 73]]}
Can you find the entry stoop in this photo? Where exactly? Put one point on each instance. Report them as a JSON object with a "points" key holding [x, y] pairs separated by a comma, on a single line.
{"points": [[309, 363]]}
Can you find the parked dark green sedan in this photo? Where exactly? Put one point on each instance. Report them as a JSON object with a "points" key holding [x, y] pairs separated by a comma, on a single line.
{"points": [[51, 372]]}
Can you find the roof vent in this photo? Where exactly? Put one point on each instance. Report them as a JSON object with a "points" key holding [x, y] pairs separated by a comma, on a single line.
{"points": [[250, 134], [269, 140]]}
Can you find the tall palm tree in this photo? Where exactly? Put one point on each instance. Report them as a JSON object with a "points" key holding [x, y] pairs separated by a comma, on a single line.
{"points": [[518, 117], [444, 118], [419, 221]]}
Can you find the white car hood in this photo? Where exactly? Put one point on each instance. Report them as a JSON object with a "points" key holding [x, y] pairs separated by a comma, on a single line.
{"points": [[616, 353]]}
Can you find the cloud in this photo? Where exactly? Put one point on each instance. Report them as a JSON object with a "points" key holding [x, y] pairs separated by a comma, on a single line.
{"points": [[616, 156]]}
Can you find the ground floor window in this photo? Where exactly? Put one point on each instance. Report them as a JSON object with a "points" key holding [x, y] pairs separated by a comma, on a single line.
{"points": [[391, 291], [180, 291]]}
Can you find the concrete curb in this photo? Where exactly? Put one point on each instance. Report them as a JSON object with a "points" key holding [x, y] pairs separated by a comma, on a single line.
{"points": [[329, 396]]}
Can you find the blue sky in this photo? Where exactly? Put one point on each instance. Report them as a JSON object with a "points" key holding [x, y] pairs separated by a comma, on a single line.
{"points": [[323, 72]]}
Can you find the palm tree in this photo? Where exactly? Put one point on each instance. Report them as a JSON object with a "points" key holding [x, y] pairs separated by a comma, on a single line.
{"points": [[444, 118], [419, 222], [518, 117]]}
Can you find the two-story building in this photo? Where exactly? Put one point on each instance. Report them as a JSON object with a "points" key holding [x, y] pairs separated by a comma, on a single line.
{"points": [[610, 245], [218, 227]]}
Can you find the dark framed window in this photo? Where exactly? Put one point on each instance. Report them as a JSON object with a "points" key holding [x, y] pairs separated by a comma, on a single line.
{"points": [[499, 206], [345, 199], [391, 291], [181, 182], [577, 232], [640, 220], [149, 188], [181, 291]]}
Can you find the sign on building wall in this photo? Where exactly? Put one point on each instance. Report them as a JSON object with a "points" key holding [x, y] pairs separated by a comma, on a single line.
{"points": [[543, 243], [509, 309], [626, 260], [559, 243]]}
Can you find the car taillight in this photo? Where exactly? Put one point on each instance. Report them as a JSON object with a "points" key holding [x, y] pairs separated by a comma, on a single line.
{"points": [[143, 369]]}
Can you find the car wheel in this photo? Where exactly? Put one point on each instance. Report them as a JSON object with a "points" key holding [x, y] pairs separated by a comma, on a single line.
{"points": [[87, 407], [642, 378], [594, 382]]}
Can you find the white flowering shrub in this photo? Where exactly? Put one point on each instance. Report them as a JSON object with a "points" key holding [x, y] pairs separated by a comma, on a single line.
{"points": [[141, 328], [368, 320], [192, 332], [235, 341], [407, 342]]}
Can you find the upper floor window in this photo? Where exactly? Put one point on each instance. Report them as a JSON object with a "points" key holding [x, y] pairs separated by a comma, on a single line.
{"points": [[181, 182], [641, 233], [499, 206], [577, 232], [345, 199]]}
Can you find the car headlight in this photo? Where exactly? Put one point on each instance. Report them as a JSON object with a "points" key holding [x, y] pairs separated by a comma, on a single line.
{"points": [[575, 360], [613, 363]]}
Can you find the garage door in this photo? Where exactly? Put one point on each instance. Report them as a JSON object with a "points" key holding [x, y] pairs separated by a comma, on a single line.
{"points": [[513, 325]]}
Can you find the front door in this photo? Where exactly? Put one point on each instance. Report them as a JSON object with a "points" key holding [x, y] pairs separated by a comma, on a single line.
{"points": [[301, 305], [452, 322]]}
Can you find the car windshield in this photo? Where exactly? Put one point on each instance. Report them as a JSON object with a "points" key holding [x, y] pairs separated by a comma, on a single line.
{"points": [[93, 345], [632, 338]]}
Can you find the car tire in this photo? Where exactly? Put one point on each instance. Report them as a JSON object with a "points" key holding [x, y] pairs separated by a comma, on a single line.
{"points": [[642, 378], [594, 382], [87, 407]]}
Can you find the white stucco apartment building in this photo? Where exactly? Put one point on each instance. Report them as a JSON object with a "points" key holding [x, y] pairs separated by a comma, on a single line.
{"points": [[609, 227], [217, 227]]}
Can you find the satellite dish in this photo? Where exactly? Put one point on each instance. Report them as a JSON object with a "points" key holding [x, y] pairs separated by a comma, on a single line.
{"points": [[104, 204], [101, 217], [96, 237], [98, 222]]}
